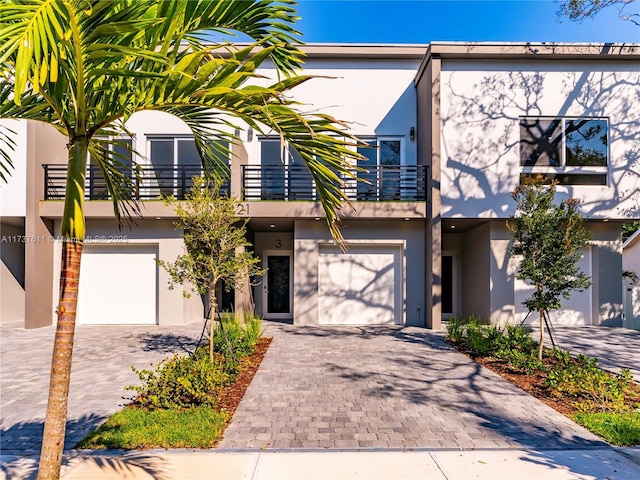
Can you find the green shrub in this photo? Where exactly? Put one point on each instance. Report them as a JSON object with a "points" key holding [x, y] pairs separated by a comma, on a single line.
{"points": [[253, 328], [522, 362], [494, 335], [516, 337], [519, 350], [190, 381], [182, 382], [242, 334], [455, 329], [478, 342], [592, 389], [474, 322], [479, 338]]}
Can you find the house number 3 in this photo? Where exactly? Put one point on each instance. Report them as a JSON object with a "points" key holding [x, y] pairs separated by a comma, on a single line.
{"points": [[278, 243]]}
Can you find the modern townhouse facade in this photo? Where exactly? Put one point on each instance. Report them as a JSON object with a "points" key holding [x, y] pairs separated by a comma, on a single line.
{"points": [[452, 128]]}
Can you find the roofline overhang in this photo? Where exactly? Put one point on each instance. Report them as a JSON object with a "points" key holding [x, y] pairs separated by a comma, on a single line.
{"points": [[631, 240], [529, 51], [364, 51]]}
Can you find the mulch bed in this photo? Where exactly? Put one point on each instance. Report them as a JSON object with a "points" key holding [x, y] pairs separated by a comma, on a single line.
{"points": [[533, 384], [231, 395]]}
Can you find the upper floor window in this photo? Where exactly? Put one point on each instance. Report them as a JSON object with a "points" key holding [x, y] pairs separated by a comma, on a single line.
{"points": [[283, 173], [382, 160], [574, 151], [174, 161], [121, 149]]}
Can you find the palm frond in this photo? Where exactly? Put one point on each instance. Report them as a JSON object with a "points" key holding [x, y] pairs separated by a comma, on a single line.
{"points": [[81, 65], [120, 177], [7, 144]]}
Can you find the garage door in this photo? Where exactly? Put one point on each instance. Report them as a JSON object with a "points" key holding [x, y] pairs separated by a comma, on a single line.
{"points": [[576, 310], [118, 285], [360, 287]]}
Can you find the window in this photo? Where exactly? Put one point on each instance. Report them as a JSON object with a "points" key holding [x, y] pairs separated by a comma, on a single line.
{"points": [[382, 161], [573, 151], [283, 178], [122, 149], [174, 162]]}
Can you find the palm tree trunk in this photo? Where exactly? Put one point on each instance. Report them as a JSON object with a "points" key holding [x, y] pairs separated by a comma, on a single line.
{"points": [[56, 419], [72, 230]]}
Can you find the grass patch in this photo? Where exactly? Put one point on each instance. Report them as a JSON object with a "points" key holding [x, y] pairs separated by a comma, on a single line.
{"points": [[186, 401], [137, 428], [621, 429]]}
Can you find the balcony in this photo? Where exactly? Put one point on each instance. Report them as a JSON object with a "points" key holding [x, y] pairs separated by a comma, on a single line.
{"points": [[293, 182], [153, 183], [407, 183]]}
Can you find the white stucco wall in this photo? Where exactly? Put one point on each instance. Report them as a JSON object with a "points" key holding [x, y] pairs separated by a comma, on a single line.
{"points": [[376, 98], [631, 254], [481, 103], [631, 292]]}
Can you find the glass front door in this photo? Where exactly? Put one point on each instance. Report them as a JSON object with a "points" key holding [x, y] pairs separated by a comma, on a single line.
{"points": [[278, 286]]}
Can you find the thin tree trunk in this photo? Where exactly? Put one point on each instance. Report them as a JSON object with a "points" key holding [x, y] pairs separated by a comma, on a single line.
{"points": [[212, 315], [213, 306], [56, 418], [541, 334]]}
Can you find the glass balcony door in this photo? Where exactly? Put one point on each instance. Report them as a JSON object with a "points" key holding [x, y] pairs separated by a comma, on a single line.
{"points": [[174, 161]]}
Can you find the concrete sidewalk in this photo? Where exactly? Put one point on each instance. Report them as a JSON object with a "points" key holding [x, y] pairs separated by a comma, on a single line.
{"points": [[498, 464]]}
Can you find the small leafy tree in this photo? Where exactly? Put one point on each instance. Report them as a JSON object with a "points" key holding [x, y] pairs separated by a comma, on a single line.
{"points": [[85, 66], [579, 10], [630, 228], [214, 237], [548, 238]]}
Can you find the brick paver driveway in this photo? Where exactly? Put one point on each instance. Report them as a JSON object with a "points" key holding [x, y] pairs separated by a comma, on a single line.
{"points": [[318, 387], [102, 360], [386, 387], [614, 347]]}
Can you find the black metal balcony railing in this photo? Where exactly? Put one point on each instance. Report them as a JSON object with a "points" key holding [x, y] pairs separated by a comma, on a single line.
{"points": [[272, 182], [293, 182], [153, 183]]}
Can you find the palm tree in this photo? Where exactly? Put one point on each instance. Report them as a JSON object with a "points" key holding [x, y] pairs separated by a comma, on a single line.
{"points": [[85, 66]]}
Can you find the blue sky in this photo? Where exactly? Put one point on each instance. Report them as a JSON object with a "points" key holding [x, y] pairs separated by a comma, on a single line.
{"points": [[423, 21]]}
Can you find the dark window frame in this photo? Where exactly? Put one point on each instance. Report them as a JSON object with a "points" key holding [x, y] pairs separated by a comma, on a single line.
{"points": [[96, 186], [547, 146]]}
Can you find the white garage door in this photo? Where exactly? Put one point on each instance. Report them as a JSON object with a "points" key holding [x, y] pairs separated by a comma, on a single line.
{"points": [[360, 287], [118, 285], [576, 310]]}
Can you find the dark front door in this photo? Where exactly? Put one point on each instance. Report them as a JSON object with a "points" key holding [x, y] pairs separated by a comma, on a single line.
{"points": [[279, 286], [447, 285]]}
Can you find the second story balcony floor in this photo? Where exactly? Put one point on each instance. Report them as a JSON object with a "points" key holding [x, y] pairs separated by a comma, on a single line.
{"points": [[401, 188]]}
